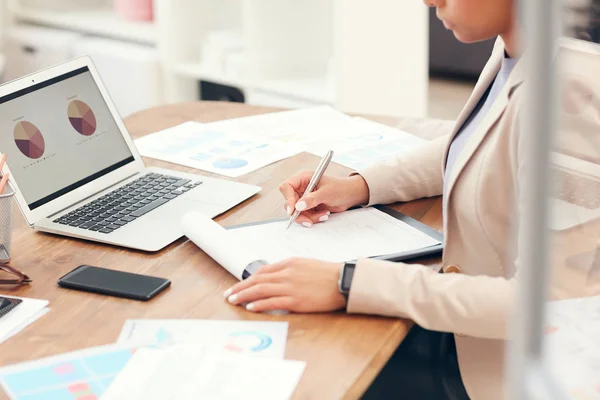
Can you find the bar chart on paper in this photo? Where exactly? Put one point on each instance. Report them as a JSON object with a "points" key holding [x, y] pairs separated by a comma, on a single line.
{"points": [[82, 375]]}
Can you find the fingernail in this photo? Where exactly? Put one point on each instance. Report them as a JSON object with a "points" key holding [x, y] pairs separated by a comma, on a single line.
{"points": [[233, 298], [307, 224], [227, 293], [301, 206], [250, 307], [289, 210], [324, 218]]}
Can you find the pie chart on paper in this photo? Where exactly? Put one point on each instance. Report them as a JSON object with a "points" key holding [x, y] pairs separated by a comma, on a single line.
{"points": [[82, 118], [29, 140], [230, 163]]}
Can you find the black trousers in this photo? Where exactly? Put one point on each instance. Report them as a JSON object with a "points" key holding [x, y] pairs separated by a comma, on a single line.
{"points": [[424, 366]]}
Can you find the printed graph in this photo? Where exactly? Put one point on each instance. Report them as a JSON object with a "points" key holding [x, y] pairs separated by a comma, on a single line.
{"points": [[230, 163], [82, 118], [248, 342], [237, 342], [29, 140], [74, 376]]}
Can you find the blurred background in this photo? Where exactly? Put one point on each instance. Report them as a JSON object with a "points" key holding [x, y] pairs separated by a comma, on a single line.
{"points": [[384, 57], [379, 57], [387, 57]]}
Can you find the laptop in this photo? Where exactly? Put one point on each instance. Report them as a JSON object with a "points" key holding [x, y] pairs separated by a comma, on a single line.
{"points": [[76, 171], [576, 160]]}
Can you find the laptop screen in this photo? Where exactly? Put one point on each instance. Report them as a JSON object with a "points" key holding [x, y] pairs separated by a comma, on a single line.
{"points": [[59, 135]]}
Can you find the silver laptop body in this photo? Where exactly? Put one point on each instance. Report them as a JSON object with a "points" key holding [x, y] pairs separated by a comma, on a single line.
{"points": [[77, 173]]}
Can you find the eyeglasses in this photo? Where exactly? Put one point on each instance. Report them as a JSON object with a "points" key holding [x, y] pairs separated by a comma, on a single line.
{"points": [[22, 278]]}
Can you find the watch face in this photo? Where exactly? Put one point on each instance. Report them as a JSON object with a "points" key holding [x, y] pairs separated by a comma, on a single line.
{"points": [[347, 277]]}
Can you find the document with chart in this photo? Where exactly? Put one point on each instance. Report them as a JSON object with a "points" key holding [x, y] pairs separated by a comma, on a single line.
{"points": [[82, 374], [238, 146], [214, 150], [261, 339]]}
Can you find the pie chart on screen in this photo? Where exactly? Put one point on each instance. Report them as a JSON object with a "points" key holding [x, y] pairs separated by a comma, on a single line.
{"points": [[29, 140], [82, 118]]}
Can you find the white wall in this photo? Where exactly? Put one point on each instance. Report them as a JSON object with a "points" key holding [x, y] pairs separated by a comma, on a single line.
{"points": [[381, 55]]}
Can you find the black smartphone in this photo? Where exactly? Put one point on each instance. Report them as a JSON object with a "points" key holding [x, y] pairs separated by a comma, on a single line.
{"points": [[113, 283]]}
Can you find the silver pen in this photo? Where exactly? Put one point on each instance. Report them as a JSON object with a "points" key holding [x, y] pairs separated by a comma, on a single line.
{"points": [[320, 171]]}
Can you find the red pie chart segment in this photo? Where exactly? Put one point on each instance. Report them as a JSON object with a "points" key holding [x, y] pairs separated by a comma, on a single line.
{"points": [[29, 140], [82, 118]]}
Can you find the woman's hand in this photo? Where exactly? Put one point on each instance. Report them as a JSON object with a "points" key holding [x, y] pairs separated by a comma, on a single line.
{"points": [[331, 195], [297, 285]]}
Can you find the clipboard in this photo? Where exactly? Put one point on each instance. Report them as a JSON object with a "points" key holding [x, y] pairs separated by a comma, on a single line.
{"points": [[394, 257]]}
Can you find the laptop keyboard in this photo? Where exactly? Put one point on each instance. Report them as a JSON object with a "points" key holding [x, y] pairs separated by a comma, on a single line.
{"points": [[127, 203], [578, 190]]}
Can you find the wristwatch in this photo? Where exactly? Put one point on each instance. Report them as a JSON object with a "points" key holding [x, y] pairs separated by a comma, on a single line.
{"points": [[345, 281]]}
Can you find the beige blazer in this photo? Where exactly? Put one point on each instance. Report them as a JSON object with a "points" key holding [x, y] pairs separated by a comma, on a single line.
{"points": [[481, 206]]}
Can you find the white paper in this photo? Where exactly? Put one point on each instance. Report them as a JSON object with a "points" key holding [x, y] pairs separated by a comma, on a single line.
{"points": [[25, 324], [193, 373], [572, 336], [360, 233], [351, 235], [238, 146], [260, 339], [376, 144], [210, 149], [21, 316], [214, 240]]}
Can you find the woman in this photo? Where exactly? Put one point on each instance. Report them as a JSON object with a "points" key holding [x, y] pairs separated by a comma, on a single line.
{"points": [[474, 165]]}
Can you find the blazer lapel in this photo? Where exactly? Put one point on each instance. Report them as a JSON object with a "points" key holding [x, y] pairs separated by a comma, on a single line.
{"points": [[493, 114], [485, 80]]}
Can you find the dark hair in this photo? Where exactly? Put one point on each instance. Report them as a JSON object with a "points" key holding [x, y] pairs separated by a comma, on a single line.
{"points": [[595, 21], [586, 21]]}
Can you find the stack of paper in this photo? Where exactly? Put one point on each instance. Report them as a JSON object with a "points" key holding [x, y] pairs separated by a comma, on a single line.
{"points": [[238, 146], [21, 316], [158, 359], [573, 344]]}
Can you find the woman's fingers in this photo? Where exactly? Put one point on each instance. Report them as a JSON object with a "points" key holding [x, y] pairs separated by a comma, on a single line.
{"points": [[290, 195], [271, 268], [284, 303], [312, 200], [266, 274], [256, 292], [309, 218], [245, 284], [293, 190]]}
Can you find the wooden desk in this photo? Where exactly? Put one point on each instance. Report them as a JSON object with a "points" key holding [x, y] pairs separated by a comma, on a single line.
{"points": [[344, 353]]}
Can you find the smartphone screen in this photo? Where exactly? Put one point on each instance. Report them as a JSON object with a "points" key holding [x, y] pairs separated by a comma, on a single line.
{"points": [[115, 283]]}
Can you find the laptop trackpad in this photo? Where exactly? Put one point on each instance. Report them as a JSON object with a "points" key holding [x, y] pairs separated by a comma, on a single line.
{"points": [[208, 209]]}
